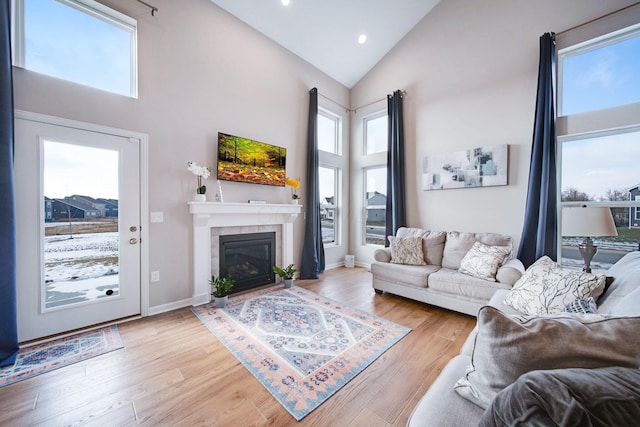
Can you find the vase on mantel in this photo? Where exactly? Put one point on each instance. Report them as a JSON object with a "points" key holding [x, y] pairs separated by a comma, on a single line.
{"points": [[200, 198], [294, 201]]}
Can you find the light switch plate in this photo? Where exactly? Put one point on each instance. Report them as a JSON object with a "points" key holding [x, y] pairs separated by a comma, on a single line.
{"points": [[157, 217]]}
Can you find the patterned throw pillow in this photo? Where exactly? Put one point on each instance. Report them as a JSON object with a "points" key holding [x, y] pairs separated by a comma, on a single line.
{"points": [[546, 288], [406, 250], [582, 306], [482, 261]]}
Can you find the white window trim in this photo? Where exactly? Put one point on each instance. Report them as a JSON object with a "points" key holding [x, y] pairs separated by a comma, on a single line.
{"points": [[338, 135], [335, 206], [365, 119]]}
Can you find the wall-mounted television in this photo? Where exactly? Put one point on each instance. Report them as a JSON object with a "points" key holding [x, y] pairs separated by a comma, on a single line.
{"points": [[246, 160]]}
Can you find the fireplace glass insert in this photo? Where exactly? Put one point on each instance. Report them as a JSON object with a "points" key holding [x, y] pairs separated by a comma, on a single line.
{"points": [[248, 259]]}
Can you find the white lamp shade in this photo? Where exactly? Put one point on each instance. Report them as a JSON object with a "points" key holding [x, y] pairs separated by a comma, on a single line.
{"points": [[587, 221]]}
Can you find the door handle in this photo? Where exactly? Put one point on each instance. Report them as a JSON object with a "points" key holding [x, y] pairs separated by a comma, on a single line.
{"points": [[133, 240]]}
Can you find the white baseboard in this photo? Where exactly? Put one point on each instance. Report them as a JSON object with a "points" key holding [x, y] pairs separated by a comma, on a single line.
{"points": [[171, 306]]}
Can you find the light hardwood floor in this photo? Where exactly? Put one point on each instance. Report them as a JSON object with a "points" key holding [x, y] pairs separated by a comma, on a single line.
{"points": [[173, 371]]}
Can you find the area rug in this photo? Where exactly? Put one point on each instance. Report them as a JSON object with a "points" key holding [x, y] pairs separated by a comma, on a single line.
{"points": [[46, 357], [301, 346]]}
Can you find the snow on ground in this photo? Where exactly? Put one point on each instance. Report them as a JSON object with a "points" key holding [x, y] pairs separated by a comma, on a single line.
{"points": [[81, 267]]}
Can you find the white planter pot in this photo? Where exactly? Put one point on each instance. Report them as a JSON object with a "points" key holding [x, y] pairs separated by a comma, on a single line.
{"points": [[200, 198], [221, 302]]}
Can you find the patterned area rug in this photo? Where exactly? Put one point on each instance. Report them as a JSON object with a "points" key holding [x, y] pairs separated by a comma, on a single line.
{"points": [[45, 357], [302, 347]]}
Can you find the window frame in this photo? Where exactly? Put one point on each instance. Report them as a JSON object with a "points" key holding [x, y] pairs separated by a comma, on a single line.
{"points": [[91, 8], [365, 120], [333, 207], [598, 123], [338, 130], [367, 207]]}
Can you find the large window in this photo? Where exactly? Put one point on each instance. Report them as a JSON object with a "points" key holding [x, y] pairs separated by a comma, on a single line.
{"points": [[81, 41], [329, 173], [599, 137]]}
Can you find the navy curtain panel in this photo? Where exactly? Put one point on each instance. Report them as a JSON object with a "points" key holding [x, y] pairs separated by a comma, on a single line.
{"points": [[540, 230], [396, 211], [312, 261], [8, 322]]}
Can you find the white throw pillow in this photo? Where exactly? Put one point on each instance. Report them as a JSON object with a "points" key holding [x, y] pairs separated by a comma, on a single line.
{"points": [[406, 250], [546, 288], [482, 261]]}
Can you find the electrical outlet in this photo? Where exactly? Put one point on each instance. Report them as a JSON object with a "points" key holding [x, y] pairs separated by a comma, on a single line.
{"points": [[156, 217], [155, 276]]}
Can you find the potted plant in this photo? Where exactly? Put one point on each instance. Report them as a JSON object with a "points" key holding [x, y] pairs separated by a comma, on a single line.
{"points": [[286, 274], [202, 172], [221, 288]]}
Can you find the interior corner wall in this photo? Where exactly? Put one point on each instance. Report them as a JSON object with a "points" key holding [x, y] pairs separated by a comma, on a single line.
{"points": [[470, 71], [201, 71]]}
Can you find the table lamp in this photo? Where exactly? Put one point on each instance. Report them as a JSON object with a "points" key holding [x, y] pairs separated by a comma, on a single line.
{"points": [[587, 221]]}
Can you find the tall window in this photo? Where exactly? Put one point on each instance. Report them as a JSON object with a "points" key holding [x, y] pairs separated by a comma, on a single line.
{"points": [[81, 41], [329, 173], [375, 177], [599, 136]]}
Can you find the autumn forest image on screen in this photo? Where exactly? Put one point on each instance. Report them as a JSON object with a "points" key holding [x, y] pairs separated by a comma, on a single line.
{"points": [[246, 160]]}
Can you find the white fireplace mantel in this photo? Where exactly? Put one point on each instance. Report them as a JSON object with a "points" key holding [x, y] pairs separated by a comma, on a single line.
{"points": [[207, 215]]}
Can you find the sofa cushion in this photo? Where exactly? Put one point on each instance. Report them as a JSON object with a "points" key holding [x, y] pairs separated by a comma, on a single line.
{"points": [[626, 279], [510, 271], [629, 305], [441, 406], [432, 242], [547, 288], [482, 261], [410, 275], [406, 250], [453, 282], [458, 244], [508, 346]]}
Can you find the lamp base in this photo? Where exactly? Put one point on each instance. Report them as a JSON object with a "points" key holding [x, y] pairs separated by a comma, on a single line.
{"points": [[587, 250]]}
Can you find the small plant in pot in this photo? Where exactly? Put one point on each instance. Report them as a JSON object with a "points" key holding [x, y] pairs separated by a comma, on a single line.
{"points": [[220, 289], [286, 274]]}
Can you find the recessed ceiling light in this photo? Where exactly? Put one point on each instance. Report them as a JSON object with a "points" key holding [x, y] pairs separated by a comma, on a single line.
{"points": [[285, 2], [362, 38]]}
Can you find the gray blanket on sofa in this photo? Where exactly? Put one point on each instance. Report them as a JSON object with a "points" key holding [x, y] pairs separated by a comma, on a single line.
{"points": [[569, 397]]}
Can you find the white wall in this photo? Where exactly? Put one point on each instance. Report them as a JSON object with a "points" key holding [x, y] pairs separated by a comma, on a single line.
{"points": [[470, 71], [201, 71]]}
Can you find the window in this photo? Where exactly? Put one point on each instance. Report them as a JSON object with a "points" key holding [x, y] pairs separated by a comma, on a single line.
{"points": [[329, 172], [328, 191], [601, 73], [328, 132], [375, 203], [81, 41], [599, 135], [375, 133]]}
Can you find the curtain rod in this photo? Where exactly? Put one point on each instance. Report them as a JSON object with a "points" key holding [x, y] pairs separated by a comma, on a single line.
{"points": [[150, 6], [349, 110], [598, 18]]}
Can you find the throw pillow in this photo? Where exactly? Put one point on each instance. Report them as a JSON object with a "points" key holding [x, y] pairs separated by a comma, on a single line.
{"points": [[406, 250], [482, 261], [582, 306], [508, 346], [546, 288]]}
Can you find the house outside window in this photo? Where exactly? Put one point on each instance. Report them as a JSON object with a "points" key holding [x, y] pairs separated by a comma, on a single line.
{"points": [[599, 133], [81, 41], [375, 204], [328, 192]]}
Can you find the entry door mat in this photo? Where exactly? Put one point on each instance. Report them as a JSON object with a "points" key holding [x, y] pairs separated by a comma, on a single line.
{"points": [[301, 346], [51, 355]]}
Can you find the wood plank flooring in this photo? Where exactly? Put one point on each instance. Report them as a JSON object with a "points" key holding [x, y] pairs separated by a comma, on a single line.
{"points": [[174, 372]]}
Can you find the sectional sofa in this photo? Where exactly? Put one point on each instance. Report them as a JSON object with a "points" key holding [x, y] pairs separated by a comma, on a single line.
{"points": [[577, 366]]}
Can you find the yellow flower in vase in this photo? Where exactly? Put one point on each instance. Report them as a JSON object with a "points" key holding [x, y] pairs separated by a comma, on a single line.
{"points": [[294, 183]]}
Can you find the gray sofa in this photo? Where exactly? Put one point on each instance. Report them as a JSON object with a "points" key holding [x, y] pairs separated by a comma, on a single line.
{"points": [[439, 282], [443, 406]]}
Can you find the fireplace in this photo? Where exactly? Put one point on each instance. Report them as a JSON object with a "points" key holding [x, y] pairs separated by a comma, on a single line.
{"points": [[248, 259], [209, 217]]}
